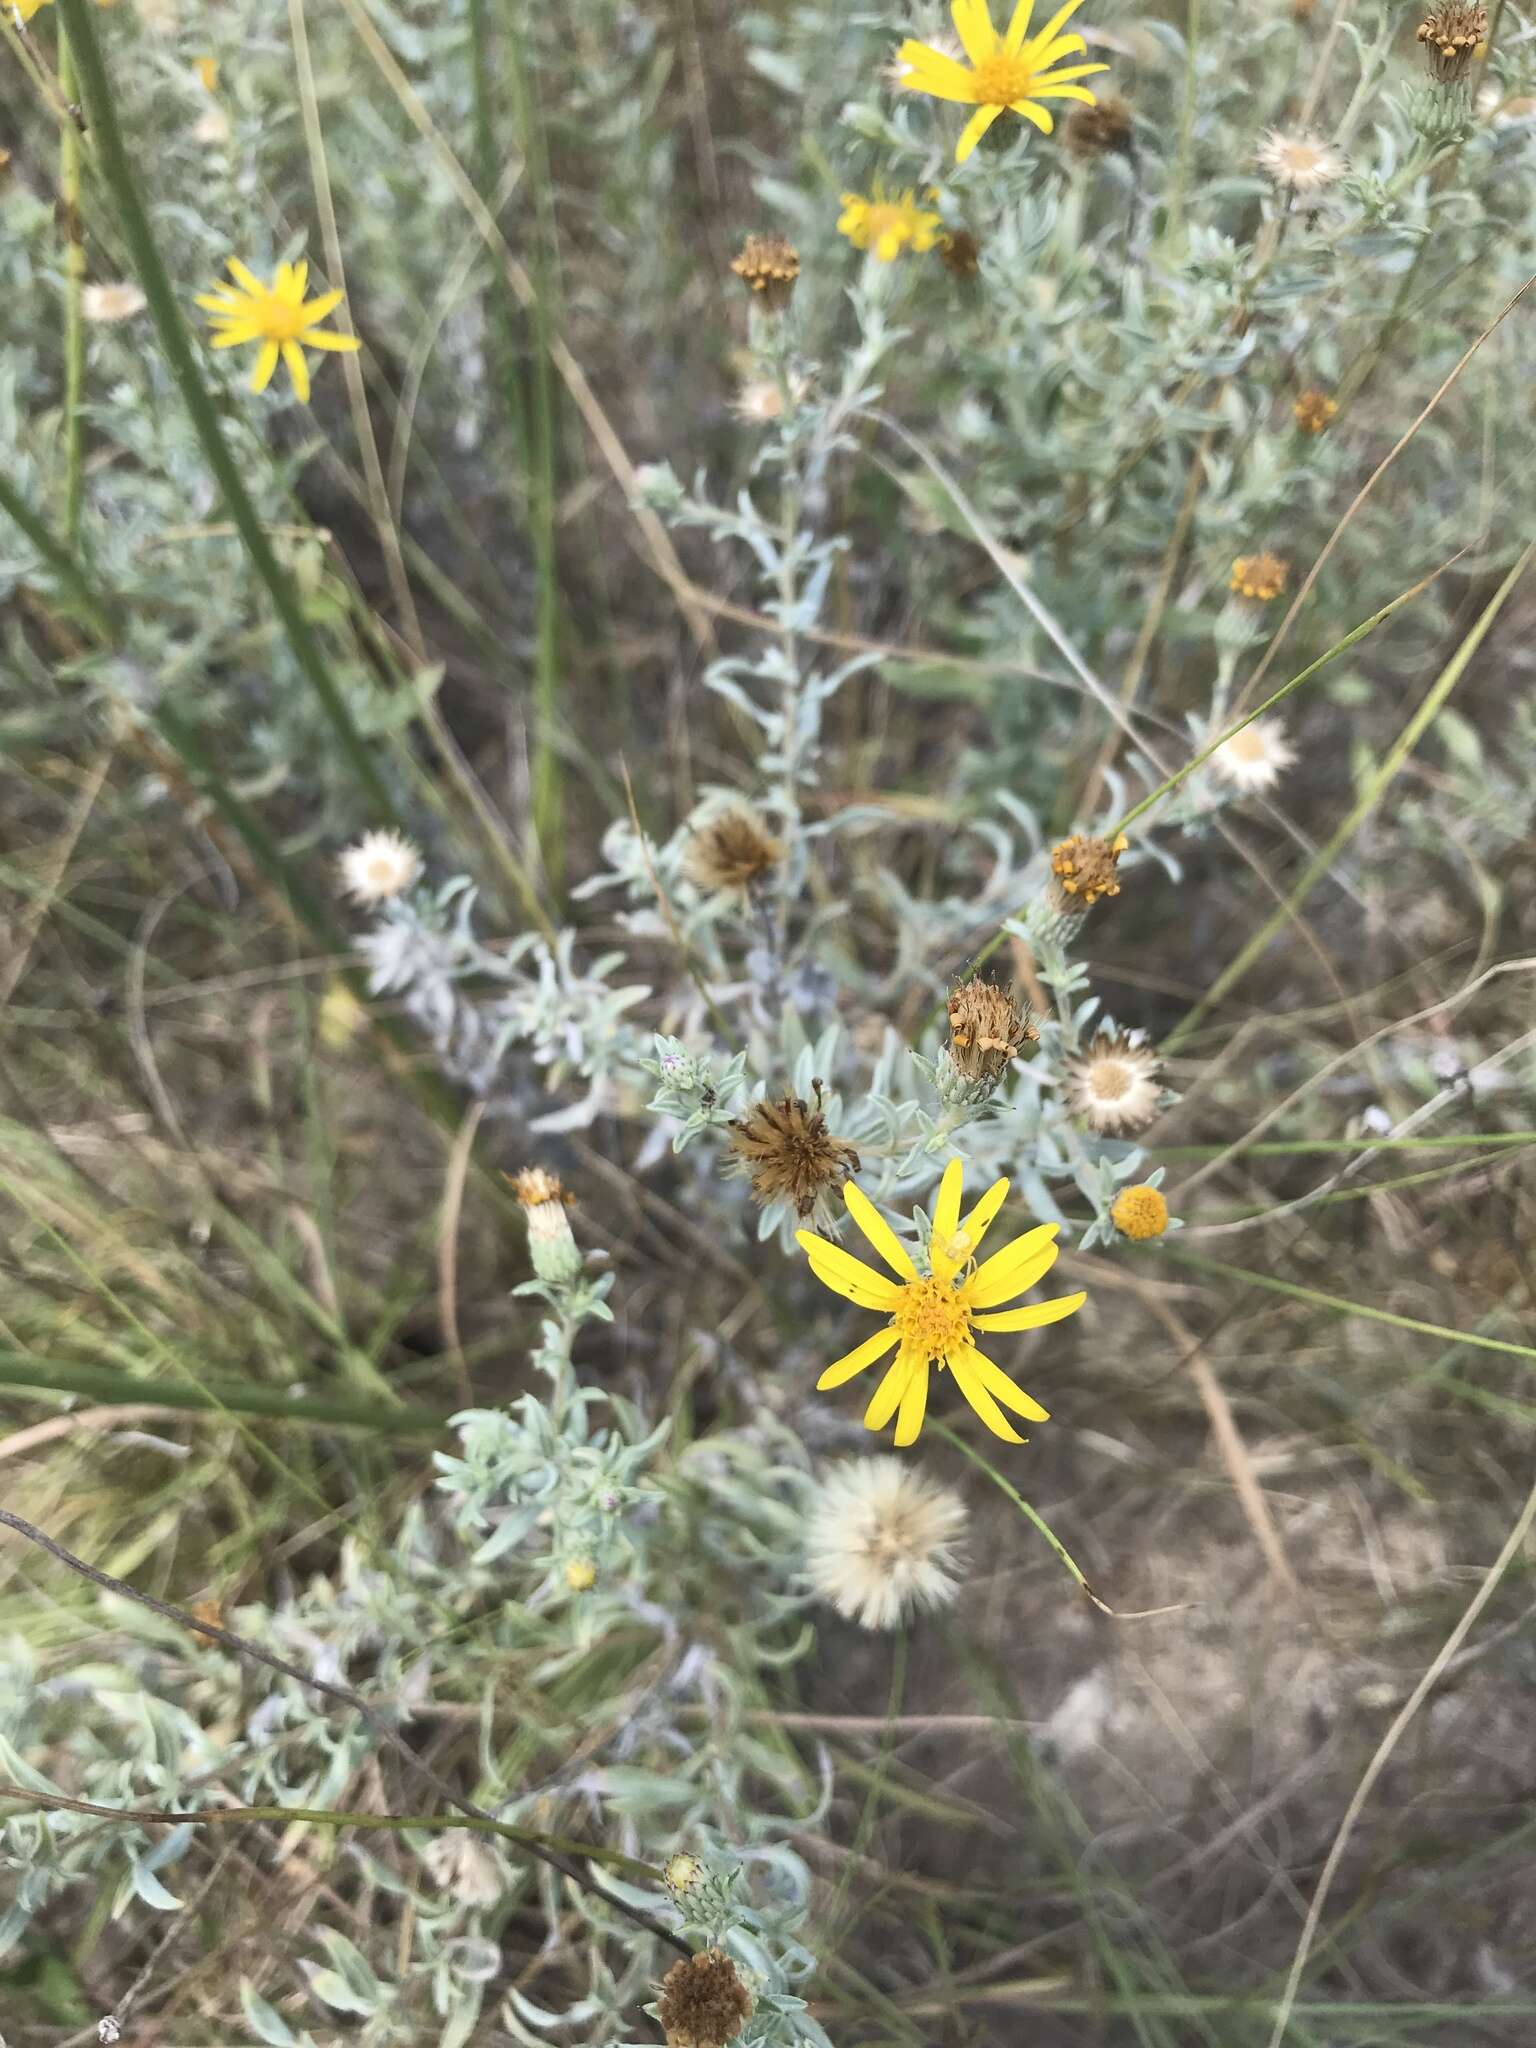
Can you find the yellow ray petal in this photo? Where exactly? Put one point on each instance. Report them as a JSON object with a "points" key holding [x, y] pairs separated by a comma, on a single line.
{"points": [[1035, 1316], [962, 1366], [996, 1280], [914, 1405], [234, 337], [1049, 91], [298, 370], [317, 309], [247, 280], [846, 1275], [934, 73], [1072, 71], [300, 276], [843, 1369], [888, 1395], [973, 25], [974, 1225], [946, 1207], [266, 363], [974, 130], [1038, 115], [336, 343], [1018, 28], [1002, 1389], [222, 299], [878, 1231], [1064, 46], [1043, 40]]}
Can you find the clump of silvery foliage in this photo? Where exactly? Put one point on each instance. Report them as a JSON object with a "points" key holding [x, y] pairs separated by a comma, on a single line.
{"points": [[559, 1525]]}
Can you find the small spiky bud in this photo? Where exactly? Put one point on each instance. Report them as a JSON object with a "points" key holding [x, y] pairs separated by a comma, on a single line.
{"points": [[1451, 35], [1261, 576], [681, 1872], [732, 850], [987, 1029], [1139, 1212], [1314, 410], [1086, 868], [960, 254], [768, 266], [552, 1247], [789, 1153], [1106, 129], [703, 2001]]}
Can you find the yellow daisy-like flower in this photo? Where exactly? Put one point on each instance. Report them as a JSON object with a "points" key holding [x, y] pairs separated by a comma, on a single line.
{"points": [[275, 315], [1011, 72], [933, 1315], [888, 225]]}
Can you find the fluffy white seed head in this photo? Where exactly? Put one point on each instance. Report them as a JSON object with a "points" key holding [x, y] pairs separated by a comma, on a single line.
{"points": [[884, 1541], [1303, 164], [1114, 1087], [1255, 758], [379, 866]]}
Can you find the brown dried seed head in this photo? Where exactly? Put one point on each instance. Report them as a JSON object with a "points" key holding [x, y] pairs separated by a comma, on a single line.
{"points": [[732, 850], [1451, 35], [987, 1029], [960, 253], [1107, 129], [1313, 410], [789, 1153], [703, 2001], [1086, 868], [534, 1186], [768, 266], [1261, 576]]}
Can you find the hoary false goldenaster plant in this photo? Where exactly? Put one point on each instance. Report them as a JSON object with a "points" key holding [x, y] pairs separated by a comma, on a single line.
{"points": [[1011, 72], [933, 1314]]}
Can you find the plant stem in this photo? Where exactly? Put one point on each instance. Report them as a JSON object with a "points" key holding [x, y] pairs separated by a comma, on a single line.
{"points": [[112, 153], [74, 293]]}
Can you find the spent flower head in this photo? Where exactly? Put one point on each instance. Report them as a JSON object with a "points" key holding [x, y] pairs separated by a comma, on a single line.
{"points": [[1451, 35], [768, 266], [1255, 757], [106, 304], [987, 1029], [1313, 410], [1087, 868], [732, 849], [1302, 163], [934, 1315], [883, 1541], [789, 1153], [1107, 128], [552, 1247], [379, 866], [1009, 73], [277, 316], [703, 2001], [1113, 1086], [1260, 577]]}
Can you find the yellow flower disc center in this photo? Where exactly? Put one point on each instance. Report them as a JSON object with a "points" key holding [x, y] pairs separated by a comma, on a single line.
{"points": [[1001, 79], [931, 1317], [279, 319]]}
